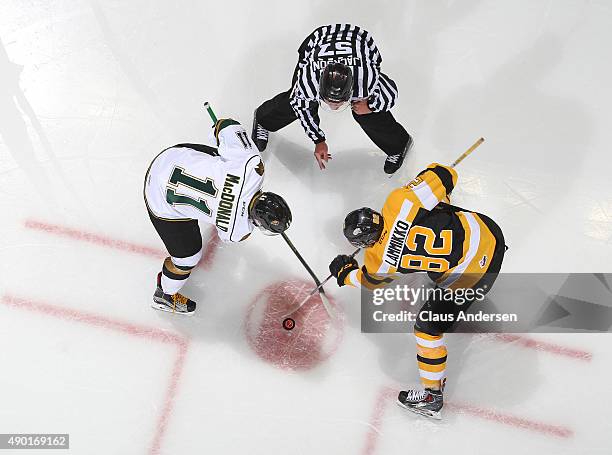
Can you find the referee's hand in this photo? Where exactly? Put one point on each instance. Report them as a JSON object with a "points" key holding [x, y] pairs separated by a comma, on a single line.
{"points": [[361, 107], [322, 154]]}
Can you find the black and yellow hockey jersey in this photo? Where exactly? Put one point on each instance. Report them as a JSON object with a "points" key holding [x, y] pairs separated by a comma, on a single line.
{"points": [[423, 233]]}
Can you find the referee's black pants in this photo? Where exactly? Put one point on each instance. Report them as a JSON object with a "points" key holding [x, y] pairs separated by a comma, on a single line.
{"points": [[381, 127]]}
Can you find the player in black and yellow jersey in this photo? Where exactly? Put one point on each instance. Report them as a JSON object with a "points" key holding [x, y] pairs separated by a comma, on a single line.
{"points": [[418, 230]]}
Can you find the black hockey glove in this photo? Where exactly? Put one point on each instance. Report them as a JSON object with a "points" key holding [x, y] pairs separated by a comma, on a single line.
{"points": [[341, 266]]}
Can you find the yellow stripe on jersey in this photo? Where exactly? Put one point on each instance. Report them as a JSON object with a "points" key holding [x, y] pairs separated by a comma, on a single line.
{"points": [[401, 208], [389, 255], [479, 264], [429, 187], [478, 249], [466, 245]]}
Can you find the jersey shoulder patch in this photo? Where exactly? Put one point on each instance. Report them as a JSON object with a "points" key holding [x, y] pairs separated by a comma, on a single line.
{"points": [[260, 168]]}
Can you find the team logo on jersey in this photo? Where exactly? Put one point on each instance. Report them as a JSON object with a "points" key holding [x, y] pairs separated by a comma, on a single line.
{"points": [[260, 168], [397, 240], [226, 204], [483, 261]]}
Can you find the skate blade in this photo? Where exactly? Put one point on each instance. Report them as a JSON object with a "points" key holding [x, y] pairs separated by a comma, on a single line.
{"points": [[160, 307], [437, 415]]}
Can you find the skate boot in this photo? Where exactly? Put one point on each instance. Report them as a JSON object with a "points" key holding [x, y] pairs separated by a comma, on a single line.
{"points": [[259, 134], [394, 162], [175, 303], [426, 402]]}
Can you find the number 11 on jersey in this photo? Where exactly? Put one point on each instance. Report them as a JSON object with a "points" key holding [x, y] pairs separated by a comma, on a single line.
{"points": [[206, 187]]}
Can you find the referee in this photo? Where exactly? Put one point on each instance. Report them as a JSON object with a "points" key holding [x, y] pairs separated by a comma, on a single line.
{"points": [[338, 65]]}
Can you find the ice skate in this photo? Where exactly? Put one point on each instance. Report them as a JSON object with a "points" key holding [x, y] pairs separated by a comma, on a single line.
{"points": [[259, 134], [394, 162], [426, 402], [175, 303]]}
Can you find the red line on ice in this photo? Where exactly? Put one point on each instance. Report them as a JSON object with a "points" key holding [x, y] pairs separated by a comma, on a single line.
{"points": [[211, 243], [171, 393], [141, 331], [210, 249], [97, 239], [544, 346], [514, 421], [384, 395], [92, 319], [387, 394]]}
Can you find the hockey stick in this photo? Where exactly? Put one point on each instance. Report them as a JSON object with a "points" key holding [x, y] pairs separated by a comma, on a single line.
{"points": [[299, 256], [319, 287], [464, 155], [324, 298], [213, 117]]}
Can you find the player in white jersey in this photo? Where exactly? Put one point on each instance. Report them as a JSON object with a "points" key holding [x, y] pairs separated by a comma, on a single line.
{"points": [[190, 184]]}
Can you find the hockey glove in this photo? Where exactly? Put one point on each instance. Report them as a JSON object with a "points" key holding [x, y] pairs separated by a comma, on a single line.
{"points": [[341, 266]]}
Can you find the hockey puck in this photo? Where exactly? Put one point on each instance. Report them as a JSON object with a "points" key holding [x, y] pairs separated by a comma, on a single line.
{"points": [[288, 324]]}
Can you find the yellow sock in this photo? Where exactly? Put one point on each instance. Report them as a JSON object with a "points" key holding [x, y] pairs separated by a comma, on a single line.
{"points": [[431, 359]]}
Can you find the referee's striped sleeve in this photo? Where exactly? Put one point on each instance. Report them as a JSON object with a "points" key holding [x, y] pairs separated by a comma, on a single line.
{"points": [[304, 100], [385, 94], [308, 115], [368, 81]]}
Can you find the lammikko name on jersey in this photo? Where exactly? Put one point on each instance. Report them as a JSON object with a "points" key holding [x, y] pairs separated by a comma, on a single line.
{"points": [[397, 240]]}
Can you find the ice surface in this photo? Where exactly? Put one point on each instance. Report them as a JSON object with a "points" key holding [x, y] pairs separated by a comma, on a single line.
{"points": [[91, 90]]}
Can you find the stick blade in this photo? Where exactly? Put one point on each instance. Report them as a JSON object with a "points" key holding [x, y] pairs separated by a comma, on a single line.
{"points": [[328, 307]]}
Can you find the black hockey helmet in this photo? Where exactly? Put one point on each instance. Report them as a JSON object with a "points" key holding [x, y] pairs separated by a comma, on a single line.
{"points": [[363, 227], [336, 84], [270, 213]]}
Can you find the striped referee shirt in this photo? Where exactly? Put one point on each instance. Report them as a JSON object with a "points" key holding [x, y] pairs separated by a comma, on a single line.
{"points": [[341, 43]]}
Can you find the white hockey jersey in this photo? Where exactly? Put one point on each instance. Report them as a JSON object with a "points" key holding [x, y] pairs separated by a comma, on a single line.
{"points": [[190, 181]]}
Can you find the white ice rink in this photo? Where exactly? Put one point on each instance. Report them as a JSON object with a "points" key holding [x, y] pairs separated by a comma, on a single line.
{"points": [[92, 90]]}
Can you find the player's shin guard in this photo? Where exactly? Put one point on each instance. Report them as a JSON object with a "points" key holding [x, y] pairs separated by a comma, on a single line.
{"points": [[431, 359], [175, 272]]}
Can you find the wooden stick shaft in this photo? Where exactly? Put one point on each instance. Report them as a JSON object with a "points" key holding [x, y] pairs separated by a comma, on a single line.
{"points": [[474, 146]]}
